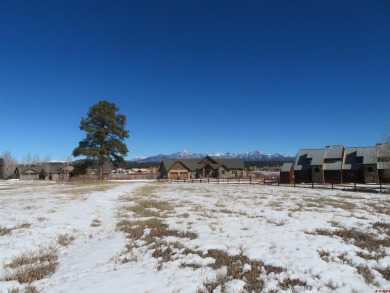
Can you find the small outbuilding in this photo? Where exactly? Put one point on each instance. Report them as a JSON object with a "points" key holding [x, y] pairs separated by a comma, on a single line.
{"points": [[287, 173]]}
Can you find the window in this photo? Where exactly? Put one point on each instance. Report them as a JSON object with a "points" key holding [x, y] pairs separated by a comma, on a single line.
{"points": [[223, 172], [317, 170], [370, 169], [178, 166]]}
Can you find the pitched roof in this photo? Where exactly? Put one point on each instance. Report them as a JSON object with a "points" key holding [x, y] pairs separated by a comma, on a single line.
{"points": [[317, 157], [368, 153], [350, 161], [192, 165], [333, 166], [383, 165], [383, 150], [286, 167], [231, 163], [301, 162], [334, 152]]}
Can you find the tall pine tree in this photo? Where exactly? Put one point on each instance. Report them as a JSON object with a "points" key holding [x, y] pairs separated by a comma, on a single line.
{"points": [[105, 135]]}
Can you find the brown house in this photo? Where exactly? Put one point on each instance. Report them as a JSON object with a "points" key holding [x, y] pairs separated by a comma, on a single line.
{"points": [[204, 168], [43, 171]]}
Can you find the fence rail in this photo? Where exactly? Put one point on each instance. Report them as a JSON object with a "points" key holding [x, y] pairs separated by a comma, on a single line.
{"points": [[356, 187]]}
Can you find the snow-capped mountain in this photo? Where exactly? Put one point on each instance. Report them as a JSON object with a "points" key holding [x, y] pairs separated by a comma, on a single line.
{"points": [[248, 156]]}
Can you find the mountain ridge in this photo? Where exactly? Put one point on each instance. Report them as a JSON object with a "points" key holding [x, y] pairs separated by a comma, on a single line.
{"points": [[247, 156]]}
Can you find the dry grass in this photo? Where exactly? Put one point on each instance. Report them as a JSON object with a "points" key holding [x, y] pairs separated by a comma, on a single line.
{"points": [[382, 227], [32, 265], [95, 223], [322, 202], [385, 272], [27, 289], [65, 239], [81, 188], [364, 240], [381, 208], [275, 221], [5, 231], [365, 272], [240, 267], [324, 255], [149, 208], [291, 283]]}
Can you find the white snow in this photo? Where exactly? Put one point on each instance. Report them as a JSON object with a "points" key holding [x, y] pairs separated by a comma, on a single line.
{"points": [[265, 223]]}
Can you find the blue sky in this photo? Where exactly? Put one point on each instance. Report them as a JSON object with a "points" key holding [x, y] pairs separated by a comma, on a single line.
{"points": [[206, 76]]}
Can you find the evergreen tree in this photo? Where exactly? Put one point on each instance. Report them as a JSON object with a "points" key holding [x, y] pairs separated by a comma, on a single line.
{"points": [[105, 135]]}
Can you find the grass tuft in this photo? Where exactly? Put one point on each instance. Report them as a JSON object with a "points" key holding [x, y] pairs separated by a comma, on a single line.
{"points": [[32, 265], [65, 239]]}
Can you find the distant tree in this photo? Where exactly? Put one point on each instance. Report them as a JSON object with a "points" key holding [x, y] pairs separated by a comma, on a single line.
{"points": [[27, 159], [1, 168], [47, 158], [36, 159], [105, 135], [8, 165]]}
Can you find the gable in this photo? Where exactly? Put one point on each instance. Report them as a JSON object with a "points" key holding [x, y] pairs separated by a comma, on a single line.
{"points": [[178, 166], [208, 160]]}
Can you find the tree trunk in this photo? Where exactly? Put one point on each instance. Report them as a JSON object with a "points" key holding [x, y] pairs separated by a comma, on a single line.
{"points": [[101, 164]]}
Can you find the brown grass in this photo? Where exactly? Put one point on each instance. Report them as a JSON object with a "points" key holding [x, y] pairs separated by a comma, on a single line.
{"points": [[324, 255], [27, 289], [32, 265], [291, 283], [385, 271], [96, 223], [364, 240], [5, 231], [65, 239], [321, 202]]}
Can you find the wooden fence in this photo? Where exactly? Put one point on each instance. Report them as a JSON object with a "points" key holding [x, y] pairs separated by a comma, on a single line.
{"points": [[356, 187]]}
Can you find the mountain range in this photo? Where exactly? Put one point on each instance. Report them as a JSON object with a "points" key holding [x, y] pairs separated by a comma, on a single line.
{"points": [[248, 156]]}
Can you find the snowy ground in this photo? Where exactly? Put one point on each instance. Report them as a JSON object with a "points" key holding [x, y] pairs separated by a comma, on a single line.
{"points": [[191, 237]]}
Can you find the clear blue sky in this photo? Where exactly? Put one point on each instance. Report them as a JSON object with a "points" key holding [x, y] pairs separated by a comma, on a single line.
{"points": [[205, 76]]}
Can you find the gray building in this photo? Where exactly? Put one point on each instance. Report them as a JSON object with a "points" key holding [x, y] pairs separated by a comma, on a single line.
{"points": [[337, 164]]}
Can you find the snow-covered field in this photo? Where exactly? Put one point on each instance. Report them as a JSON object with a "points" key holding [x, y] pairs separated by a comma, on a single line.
{"points": [[191, 237]]}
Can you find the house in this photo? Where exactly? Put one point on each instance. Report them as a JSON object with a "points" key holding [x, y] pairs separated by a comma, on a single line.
{"points": [[367, 164], [308, 166], [43, 171], [333, 160], [206, 167], [338, 164]]}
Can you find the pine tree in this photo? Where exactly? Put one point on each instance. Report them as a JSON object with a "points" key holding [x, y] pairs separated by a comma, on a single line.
{"points": [[105, 135]]}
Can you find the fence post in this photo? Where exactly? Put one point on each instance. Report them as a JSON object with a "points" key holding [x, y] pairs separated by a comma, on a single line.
{"points": [[380, 187], [228, 180], [208, 180], [312, 185], [332, 185], [250, 180], [354, 187], [218, 180]]}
